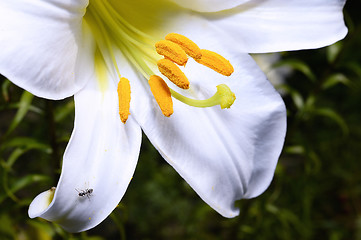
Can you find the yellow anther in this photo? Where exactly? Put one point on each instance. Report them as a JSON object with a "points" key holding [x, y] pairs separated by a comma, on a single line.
{"points": [[171, 51], [188, 45], [173, 73], [216, 62], [124, 99], [161, 94]]}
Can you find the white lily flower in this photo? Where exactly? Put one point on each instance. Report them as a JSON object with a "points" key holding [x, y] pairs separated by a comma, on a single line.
{"points": [[60, 48]]}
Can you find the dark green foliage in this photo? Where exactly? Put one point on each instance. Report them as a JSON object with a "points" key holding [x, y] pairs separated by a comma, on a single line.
{"points": [[316, 192]]}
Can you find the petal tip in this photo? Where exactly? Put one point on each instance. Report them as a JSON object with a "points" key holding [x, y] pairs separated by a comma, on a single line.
{"points": [[41, 203]]}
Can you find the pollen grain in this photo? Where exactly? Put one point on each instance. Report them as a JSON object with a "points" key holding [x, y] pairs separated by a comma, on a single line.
{"points": [[172, 51], [216, 62], [161, 94], [173, 73], [188, 45], [124, 98]]}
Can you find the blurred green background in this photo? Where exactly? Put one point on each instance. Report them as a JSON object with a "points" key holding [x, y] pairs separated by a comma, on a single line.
{"points": [[315, 194]]}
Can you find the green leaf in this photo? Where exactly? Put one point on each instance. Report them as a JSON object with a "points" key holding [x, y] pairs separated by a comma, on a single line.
{"points": [[13, 157], [297, 65], [295, 149], [333, 51], [5, 90], [28, 180], [7, 230], [331, 114], [24, 105], [63, 111], [296, 96], [27, 143], [355, 68], [314, 165], [335, 79], [41, 230], [17, 105], [20, 184]]}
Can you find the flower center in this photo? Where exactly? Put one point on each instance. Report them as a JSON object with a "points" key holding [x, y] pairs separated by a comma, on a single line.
{"points": [[113, 33]]}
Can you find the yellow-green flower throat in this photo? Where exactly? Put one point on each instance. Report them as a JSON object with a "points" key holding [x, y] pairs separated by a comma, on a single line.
{"points": [[111, 32]]}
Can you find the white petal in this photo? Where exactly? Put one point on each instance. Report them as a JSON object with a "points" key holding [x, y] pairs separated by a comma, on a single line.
{"points": [[278, 25], [101, 155], [43, 47], [209, 5], [224, 155], [255, 26], [41, 202]]}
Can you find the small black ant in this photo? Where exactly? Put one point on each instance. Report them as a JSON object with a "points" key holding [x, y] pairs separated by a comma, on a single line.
{"points": [[87, 192]]}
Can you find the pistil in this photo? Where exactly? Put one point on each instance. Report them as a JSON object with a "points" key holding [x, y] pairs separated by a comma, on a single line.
{"points": [[223, 97]]}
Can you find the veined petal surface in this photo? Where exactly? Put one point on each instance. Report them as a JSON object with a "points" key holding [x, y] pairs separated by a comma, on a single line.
{"points": [[209, 5], [261, 26], [43, 49], [224, 155], [101, 155], [256, 26]]}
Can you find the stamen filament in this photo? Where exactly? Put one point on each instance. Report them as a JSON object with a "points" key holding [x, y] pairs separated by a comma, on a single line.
{"points": [[128, 30], [223, 97], [137, 61], [125, 36], [126, 23], [103, 43]]}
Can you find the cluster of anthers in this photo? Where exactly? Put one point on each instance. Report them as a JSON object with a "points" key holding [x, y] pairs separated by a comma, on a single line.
{"points": [[176, 49]]}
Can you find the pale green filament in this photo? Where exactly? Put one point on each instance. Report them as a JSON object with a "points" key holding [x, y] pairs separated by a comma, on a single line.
{"points": [[100, 70], [112, 31], [223, 97]]}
